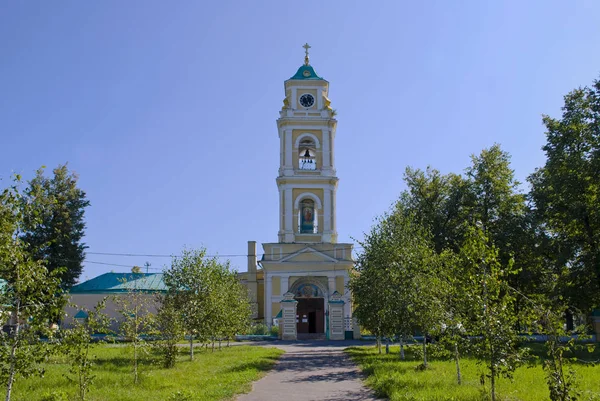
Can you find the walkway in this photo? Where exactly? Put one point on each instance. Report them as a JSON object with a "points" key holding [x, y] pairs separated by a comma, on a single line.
{"points": [[310, 371]]}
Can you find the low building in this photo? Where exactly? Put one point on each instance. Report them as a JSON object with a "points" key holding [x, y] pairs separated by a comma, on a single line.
{"points": [[85, 296]]}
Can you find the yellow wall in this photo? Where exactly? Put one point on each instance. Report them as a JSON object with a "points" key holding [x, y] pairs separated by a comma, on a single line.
{"points": [[261, 300], [276, 285], [275, 308], [339, 285]]}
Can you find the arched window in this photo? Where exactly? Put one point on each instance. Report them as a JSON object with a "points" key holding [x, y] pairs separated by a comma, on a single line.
{"points": [[307, 217], [307, 155]]}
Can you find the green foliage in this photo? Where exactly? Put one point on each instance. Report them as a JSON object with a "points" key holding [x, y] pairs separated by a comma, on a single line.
{"points": [[566, 195], [488, 312], [213, 303], [169, 330], [136, 320], [30, 297], [54, 396], [396, 283], [54, 224], [77, 345]]}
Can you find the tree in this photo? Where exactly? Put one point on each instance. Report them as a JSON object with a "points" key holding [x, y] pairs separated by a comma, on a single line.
{"points": [[566, 193], [487, 306], [134, 307], [169, 329], [30, 296], [202, 289], [396, 284], [77, 344], [54, 225]]}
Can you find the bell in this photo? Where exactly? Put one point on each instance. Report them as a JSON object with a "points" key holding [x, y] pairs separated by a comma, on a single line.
{"points": [[307, 153]]}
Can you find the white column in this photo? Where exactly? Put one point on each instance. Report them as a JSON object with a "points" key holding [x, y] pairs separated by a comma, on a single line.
{"points": [[289, 215], [331, 282], [294, 99], [326, 155], [288, 149], [268, 300], [319, 98], [327, 211], [284, 284]]}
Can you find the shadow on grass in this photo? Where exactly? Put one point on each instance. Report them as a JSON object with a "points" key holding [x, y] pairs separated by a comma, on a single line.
{"points": [[263, 365]]}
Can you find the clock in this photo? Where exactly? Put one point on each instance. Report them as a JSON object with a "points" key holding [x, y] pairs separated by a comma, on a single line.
{"points": [[307, 100]]}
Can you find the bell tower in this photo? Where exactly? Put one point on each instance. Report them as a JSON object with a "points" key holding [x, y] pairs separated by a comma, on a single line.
{"points": [[302, 285], [307, 179]]}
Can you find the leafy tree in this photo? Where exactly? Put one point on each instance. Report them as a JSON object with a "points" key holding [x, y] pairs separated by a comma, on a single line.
{"points": [[137, 320], [30, 295], [54, 225], [566, 192], [203, 290], [396, 285], [77, 344], [488, 307], [169, 329]]}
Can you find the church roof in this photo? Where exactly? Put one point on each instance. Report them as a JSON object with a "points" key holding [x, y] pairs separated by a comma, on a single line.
{"points": [[121, 282], [306, 72]]}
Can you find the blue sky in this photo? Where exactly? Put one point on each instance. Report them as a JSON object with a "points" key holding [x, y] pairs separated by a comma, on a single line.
{"points": [[167, 110]]}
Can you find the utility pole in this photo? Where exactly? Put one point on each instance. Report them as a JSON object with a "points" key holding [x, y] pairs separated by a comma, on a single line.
{"points": [[147, 264]]}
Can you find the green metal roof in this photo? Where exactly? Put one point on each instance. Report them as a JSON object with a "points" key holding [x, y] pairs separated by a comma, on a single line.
{"points": [[306, 72], [121, 282]]}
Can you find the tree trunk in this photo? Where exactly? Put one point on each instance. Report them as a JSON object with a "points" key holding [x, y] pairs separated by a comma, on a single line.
{"points": [[424, 350], [219, 343], [402, 347], [13, 351], [191, 347], [493, 380], [387, 346], [458, 375], [379, 344], [135, 367]]}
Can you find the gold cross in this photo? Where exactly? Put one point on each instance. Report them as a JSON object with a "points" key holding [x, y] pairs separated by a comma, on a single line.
{"points": [[306, 47]]}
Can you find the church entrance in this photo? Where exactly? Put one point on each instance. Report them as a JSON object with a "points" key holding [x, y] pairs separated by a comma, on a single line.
{"points": [[310, 316]]}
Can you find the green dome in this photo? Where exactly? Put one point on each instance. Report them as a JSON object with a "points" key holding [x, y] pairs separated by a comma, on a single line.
{"points": [[306, 72]]}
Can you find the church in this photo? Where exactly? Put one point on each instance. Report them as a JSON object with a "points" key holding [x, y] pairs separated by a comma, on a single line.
{"points": [[301, 284]]}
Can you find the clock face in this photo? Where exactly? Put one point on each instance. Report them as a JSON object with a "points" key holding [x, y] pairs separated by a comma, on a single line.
{"points": [[307, 100]]}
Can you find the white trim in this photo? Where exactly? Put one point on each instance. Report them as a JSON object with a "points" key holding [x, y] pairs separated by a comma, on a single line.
{"points": [[304, 195], [288, 212], [327, 211], [314, 138], [288, 149], [309, 249], [276, 250]]}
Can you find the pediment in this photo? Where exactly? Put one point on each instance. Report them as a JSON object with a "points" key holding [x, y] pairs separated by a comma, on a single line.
{"points": [[309, 254]]}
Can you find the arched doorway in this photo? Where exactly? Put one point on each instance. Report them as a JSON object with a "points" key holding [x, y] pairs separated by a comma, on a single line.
{"points": [[310, 310]]}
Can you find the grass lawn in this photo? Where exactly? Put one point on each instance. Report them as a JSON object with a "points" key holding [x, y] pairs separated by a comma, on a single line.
{"points": [[399, 380], [217, 375]]}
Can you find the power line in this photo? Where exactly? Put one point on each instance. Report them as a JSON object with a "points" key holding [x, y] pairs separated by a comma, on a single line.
{"points": [[210, 256]]}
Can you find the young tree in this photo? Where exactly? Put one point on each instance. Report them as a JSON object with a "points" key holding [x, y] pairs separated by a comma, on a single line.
{"points": [[565, 193], [137, 320], [169, 329], [202, 288], [488, 307], [54, 225], [30, 296], [77, 344]]}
